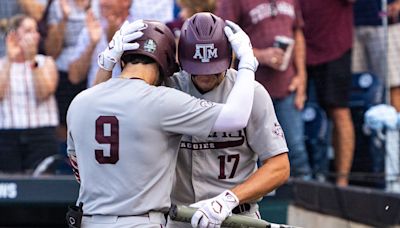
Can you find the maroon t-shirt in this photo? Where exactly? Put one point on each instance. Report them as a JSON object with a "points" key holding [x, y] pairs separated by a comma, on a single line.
{"points": [[175, 26], [328, 29], [262, 20]]}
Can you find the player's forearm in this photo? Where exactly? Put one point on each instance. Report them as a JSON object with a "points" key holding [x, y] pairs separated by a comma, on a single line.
{"points": [[236, 112], [273, 173], [102, 76]]}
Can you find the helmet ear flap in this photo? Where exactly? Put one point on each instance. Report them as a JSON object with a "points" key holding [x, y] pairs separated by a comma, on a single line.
{"points": [[173, 63], [203, 48]]}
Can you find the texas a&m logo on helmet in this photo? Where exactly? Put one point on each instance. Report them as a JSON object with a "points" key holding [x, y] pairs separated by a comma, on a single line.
{"points": [[205, 52]]}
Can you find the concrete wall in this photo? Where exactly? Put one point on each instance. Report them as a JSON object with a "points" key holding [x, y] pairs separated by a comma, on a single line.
{"points": [[301, 217]]}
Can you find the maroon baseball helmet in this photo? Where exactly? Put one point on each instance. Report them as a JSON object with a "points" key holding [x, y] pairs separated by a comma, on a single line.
{"points": [[203, 48], [158, 43]]}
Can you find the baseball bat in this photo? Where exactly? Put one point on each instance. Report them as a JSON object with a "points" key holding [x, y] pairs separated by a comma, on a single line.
{"points": [[184, 214]]}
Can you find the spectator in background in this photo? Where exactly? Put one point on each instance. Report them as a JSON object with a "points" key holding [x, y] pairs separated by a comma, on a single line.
{"points": [[264, 21], [328, 32], [187, 9], [39, 10], [33, 8], [95, 37], [369, 52], [28, 110], [159, 10], [65, 20], [7, 10]]}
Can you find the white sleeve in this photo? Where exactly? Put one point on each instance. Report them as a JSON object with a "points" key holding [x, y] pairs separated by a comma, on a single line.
{"points": [[184, 114], [55, 14], [236, 112], [264, 134], [81, 45]]}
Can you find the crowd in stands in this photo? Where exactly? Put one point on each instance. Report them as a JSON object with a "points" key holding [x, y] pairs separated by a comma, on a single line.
{"points": [[307, 50]]}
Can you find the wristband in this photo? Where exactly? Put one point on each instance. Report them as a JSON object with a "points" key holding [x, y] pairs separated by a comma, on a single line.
{"points": [[34, 64], [248, 62], [38, 62], [105, 63]]}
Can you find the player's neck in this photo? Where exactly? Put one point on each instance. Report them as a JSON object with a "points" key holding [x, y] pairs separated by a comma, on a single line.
{"points": [[147, 72]]}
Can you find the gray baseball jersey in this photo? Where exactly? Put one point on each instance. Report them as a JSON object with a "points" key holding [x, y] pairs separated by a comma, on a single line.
{"points": [[205, 168], [125, 135]]}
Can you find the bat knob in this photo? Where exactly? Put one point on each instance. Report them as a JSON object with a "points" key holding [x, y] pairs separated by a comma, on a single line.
{"points": [[173, 212]]}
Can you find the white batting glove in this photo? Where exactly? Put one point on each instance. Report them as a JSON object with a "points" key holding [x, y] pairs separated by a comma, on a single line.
{"points": [[212, 212], [241, 45], [120, 43]]}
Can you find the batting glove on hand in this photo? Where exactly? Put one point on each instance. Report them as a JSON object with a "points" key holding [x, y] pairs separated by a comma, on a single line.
{"points": [[212, 212], [120, 43], [241, 45]]}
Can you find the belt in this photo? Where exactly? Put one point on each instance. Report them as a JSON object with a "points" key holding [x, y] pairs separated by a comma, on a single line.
{"points": [[241, 208], [142, 215], [155, 217]]}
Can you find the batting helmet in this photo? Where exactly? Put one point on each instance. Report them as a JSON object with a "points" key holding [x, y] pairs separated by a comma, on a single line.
{"points": [[158, 43], [203, 48]]}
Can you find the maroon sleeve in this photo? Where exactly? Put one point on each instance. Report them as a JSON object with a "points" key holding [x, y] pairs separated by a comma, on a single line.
{"points": [[228, 10], [347, 2]]}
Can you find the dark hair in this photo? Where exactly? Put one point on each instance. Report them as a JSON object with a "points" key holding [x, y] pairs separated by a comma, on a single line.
{"points": [[134, 59], [138, 58]]}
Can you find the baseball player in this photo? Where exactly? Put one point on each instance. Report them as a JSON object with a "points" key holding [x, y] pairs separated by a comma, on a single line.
{"points": [[124, 134], [209, 167]]}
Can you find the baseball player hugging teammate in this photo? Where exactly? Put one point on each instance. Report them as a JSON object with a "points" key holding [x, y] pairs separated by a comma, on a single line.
{"points": [[132, 123], [220, 172]]}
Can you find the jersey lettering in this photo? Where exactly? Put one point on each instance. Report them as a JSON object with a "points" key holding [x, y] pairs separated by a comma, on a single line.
{"points": [[107, 137], [266, 10], [197, 146], [238, 136]]}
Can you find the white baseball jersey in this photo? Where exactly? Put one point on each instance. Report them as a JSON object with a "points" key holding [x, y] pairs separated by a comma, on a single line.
{"points": [[206, 167], [125, 134]]}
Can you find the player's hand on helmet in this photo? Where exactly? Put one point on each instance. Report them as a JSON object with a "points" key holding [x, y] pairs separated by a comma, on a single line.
{"points": [[239, 40], [241, 45], [121, 42], [212, 212]]}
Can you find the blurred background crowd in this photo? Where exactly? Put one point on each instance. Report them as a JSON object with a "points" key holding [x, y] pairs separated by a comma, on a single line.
{"points": [[324, 63]]}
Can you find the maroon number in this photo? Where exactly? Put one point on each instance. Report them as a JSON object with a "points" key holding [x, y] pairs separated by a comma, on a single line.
{"points": [[235, 157], [112, 139], [221, 167], [235, 164]]}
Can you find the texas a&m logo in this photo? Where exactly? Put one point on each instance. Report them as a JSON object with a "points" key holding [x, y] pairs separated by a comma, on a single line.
{"points": [[205, 52]]}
